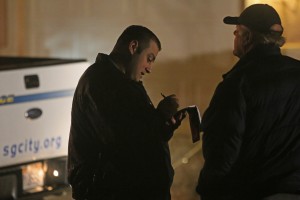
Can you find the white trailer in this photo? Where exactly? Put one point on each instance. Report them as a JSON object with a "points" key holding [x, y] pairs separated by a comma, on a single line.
{"points": [[35, 115]]}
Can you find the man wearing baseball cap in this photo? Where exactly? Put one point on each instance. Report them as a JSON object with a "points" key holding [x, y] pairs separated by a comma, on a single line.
{"points": [[251, 140]]}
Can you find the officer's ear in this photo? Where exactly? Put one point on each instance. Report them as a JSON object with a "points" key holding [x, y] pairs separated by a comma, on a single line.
{"points": [[133, 46]]}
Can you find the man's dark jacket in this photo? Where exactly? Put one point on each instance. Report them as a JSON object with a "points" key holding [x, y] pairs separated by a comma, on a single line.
{"points": [[118, 141], [251, 141]]}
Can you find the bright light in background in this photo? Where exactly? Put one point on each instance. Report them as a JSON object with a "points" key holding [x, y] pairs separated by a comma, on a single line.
{"points": [[55, 173], [289, 11], [270, 2], [282, 6]]}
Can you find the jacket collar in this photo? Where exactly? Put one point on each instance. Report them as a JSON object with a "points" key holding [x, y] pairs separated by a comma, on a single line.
{"points": [[257, 52], [101, 57]]}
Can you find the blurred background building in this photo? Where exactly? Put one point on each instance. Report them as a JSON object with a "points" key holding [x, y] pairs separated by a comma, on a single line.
{"points": [[196, 49]]}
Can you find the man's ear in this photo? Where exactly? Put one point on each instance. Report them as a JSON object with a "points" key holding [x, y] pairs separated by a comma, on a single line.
{"points": [[248, 38], [133, 46]]}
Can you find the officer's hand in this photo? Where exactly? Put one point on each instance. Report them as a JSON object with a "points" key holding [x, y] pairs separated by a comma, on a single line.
{"points": [[178, 117], [168, 106]]}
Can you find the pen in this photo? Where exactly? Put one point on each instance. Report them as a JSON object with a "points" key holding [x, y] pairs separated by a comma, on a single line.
{"points": [[163, 95]]}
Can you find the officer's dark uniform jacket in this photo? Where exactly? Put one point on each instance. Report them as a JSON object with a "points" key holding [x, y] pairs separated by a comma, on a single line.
{"points": [[251, 141], [118, 140]]}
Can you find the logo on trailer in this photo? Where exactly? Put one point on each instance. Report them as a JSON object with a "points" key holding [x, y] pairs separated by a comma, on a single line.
{"points": [[7, 99]]}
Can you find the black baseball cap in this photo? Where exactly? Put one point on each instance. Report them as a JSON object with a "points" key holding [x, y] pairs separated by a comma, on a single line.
{"points": [[257, 17]]}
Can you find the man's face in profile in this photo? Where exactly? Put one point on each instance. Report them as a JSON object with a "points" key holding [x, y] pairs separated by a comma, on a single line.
{"points": [[141, 62]]}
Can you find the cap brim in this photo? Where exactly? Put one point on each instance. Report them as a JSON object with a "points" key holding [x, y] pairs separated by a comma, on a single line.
{"points": [[231, 20]]}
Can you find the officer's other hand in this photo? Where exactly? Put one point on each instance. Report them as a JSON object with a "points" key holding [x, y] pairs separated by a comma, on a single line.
{"points": [[177, 118]]}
